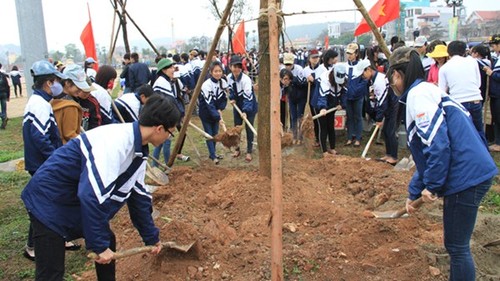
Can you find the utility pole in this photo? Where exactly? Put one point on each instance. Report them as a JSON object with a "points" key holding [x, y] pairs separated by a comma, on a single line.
{"points": [[32, 36]]}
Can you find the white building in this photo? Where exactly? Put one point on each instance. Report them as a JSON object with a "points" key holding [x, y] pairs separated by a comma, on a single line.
{"points": [[425, 19]]}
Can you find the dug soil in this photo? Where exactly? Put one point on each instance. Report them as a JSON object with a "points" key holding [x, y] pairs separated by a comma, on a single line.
{"points": [[327, 232]]}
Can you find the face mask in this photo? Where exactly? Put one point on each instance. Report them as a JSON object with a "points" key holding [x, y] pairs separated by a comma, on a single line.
{"points": [[56, 89], [111, 84]]}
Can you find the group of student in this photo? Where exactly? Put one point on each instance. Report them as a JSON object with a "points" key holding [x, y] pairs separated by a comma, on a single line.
{"points": [[80, 180]]}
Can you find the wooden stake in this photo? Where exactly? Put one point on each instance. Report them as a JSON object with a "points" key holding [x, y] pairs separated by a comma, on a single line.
{"points": [[197, 89], [276, 168], [373, 27]]}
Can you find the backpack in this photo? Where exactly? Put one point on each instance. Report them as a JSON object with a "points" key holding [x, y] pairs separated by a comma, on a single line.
{"points": [[4, 85]]}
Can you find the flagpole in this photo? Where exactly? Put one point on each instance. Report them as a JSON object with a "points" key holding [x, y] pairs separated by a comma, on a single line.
{"points": [[373, 27]]}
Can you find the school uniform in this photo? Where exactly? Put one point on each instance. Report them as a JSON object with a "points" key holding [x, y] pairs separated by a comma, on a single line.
{"points": [[81, 187], [241, 91], [40, 132], [329, 97], [212, 99], [105, 101], [129, 105]]}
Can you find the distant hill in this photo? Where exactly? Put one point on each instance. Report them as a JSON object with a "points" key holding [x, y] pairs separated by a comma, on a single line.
{"points": [[306, 30]]}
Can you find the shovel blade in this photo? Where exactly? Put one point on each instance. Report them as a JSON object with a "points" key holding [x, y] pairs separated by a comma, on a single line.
{"points": [[388, 215], [182, 248]]}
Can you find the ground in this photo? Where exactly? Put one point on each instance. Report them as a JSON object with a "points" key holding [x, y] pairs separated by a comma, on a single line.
{"points": [[326, 232], [225, 210]]}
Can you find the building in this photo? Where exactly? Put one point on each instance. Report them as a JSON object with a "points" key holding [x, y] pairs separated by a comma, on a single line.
{"points": [[481, 24], [338, 28], [430, 21]]}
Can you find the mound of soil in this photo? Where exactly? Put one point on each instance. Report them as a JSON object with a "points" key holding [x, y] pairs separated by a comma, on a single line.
{"points": [[326, 235]]}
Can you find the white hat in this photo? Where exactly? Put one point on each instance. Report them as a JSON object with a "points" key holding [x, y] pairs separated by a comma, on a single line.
{"points": [[339, 73], [420, 41], [362, 65]]}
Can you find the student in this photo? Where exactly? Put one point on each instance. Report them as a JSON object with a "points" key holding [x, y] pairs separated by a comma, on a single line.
{"points": [[332, 87], [129, 105], [440, 56], [89, 68], [86, 182], [385, 109], [357, 90], [286, 77], [452, 161], [15, 76], [242, 94], [67, 112], [297, 98], [212, 102], [4, 97], [494, 91], [328, 60], [40, 131], [104, 82], [171, 87]]}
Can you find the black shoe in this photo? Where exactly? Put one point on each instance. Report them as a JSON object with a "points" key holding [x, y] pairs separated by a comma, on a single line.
{"points": [[28, 256], [4, 123]]}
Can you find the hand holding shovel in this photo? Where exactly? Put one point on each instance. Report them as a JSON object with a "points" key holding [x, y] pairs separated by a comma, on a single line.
{"points": [[395, 214], [145, 249], [324, 113], [244, 117]]}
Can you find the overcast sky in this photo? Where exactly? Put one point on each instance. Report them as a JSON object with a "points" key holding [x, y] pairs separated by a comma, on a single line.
{"points": [[65, 19]]}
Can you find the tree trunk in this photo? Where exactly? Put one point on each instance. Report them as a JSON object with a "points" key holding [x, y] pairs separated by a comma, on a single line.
{"points": [[264, 96]]}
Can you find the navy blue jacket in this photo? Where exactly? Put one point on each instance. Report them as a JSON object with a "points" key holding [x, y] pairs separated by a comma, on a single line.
{"points": [[449, 154], [81, 187], [40, 131]]}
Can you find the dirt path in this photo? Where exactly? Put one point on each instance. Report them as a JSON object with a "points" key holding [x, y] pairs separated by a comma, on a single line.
{"points": [[15, 108]]}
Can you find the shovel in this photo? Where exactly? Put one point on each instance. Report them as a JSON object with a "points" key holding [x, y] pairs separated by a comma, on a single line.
{"points": [[327, 112], [145, 249], [370, 142], [157, 175], [395, 214], [205, 134], [245, 119]]}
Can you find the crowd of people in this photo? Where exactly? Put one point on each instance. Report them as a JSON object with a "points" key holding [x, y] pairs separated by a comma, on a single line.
{"points": [[438, 91]]}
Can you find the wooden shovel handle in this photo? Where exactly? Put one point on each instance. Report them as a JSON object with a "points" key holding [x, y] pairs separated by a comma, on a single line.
{"points": [[370, 141], [327, 112], [205, 134], [245, 119], [415, 204]]}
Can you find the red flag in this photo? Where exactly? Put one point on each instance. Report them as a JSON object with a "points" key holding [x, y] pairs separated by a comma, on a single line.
{"points": [[87, 38], [381, 13], [327, 41], [239, 39]]}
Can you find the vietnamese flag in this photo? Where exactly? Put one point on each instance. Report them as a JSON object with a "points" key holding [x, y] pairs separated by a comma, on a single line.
{"points": [[238, 41], [87, 38], [381, 13], [327, 42]]}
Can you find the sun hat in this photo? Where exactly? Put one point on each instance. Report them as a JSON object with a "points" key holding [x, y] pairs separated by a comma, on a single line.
{"points": [[339, 73], [420, 41], [494, 39], [44, 67], [165, 63], [288, 58], [75, 73], [351, 48], [440, 51], [236, 60], [362, 65]]}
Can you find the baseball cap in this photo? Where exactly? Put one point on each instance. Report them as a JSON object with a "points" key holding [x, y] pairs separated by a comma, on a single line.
{"points": [[494, 39], [340, 73], [236, 60], [351, 48], [90, 60], [420, 41], [362, 65], [288, 58], [314, 53], [43, 67], [165, 63], [76, 74]]}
